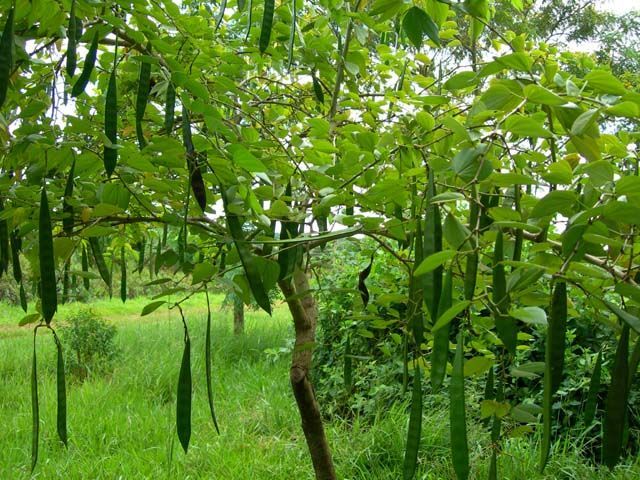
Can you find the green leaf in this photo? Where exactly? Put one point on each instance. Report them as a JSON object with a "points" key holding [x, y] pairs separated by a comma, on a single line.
{"points": [[152, 307], [557, 201], [604, 82], [530, 315], [202, 272], [525, 127], [626, 317], [416, 23], [243, 158], [477, 365], [471, 163], [434, 261], [451, 313], [537, 94]]}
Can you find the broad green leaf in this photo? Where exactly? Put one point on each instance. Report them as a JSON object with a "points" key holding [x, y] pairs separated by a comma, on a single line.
{"points": [[530, 315], [417, 23], [561, 201], [152, 307], [605, 82], [434, 261]]}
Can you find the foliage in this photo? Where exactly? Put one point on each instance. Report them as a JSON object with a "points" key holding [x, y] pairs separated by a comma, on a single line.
{"points": [[493, 167], [90, 347]]}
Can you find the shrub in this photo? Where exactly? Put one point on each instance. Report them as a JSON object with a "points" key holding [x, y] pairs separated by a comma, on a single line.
{"points": [[89, 344]]}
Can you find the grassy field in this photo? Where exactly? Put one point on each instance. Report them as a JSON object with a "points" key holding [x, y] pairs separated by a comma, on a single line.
{"points": [[122, 425]]}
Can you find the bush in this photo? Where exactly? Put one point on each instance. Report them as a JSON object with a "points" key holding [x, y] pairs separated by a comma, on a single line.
{"points": [[370, 339], [89, 344]]}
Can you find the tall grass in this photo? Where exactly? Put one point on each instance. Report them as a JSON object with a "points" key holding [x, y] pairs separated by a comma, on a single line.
{"points": [[122, 425]]}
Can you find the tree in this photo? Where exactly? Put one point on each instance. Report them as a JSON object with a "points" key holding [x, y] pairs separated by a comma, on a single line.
{"points": [[502, 186]]}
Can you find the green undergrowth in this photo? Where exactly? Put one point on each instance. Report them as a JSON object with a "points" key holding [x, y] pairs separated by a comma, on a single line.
{"points": [[122, 425]]}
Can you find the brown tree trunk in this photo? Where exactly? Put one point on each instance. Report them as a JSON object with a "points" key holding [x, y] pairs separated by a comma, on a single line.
{"points": [[238, 316], [305, 315]]}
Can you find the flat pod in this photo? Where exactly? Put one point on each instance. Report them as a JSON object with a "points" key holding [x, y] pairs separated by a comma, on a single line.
{"points": [[207, 360], [246, 257], [48, 285], [183, 405], [267, 24], [414, 433], [71, 41], [142, 98], [616, 403], [111, 124], [87, 69], [458, 422], [100, 263], [6, 56]]}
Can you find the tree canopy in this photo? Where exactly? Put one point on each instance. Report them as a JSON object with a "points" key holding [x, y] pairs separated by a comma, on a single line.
{"points": [[501, 171]]}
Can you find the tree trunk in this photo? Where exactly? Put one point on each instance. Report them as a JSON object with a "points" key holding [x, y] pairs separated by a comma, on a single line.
{"points": [[238, 316], [305, 315]]}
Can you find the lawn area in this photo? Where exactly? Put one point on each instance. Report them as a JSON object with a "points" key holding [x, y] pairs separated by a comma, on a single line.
{"points": [[122, 425]]}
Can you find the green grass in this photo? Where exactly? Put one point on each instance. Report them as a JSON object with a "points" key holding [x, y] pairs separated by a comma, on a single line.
{"points": [[122, 425]]}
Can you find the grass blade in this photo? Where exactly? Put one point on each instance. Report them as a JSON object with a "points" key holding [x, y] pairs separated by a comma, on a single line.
{"points": [[616, 404], [415, 428], [267, 24], [459, 445], [6, 56], [48, 286], [183, 407]]}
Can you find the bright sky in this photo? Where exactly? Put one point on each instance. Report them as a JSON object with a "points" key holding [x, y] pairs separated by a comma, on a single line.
{"points": [[619, 6]]}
